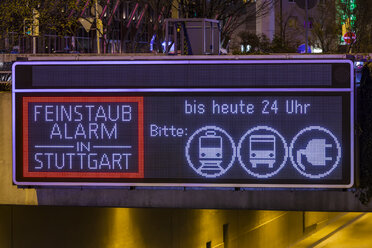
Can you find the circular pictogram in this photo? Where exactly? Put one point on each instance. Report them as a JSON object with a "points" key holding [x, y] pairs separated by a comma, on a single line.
{"points": [[210, 151], [262, 152], [315, 152]]}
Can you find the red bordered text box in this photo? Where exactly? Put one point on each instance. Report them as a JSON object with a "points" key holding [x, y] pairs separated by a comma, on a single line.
{"points": [[97, 99]]}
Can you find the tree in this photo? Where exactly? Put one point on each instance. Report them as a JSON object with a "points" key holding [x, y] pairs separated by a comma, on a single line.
{"points": [[55, 18], [363, 26], [287, 38], [146, 23], [231, 13], [249, 39], [157, 12], [260, 44], [13, 14], [52, 16], [326, 30], [280, 46]]}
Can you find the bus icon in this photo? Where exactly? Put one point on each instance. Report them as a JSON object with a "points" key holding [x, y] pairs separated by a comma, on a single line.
{"points": [[210, 152], [262, 150]]}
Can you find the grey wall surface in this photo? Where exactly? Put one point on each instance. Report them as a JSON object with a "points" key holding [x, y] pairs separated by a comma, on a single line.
{"points": [[35, 226]]}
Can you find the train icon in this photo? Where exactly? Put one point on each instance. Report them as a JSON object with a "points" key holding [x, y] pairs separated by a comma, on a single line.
{"points": [[262, 150], [210, 152]]}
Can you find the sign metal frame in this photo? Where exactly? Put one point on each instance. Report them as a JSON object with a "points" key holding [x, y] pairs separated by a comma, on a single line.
{"points": [[349, 90]]}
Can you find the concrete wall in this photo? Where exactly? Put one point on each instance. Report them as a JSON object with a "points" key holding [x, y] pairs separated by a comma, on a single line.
{"points": [[30, 226], [9, 194]]}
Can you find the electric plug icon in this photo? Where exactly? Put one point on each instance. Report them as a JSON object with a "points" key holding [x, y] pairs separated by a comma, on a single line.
{"points": [[315, 153]]}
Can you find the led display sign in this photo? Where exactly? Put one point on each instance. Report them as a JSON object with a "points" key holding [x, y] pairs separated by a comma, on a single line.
{"points": [[241, 137]]}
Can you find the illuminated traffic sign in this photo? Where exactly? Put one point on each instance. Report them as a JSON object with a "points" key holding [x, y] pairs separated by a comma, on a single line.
{"points": [[349, 37], [186, 135]]}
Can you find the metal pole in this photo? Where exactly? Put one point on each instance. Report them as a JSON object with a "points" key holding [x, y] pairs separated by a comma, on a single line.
{"points": [[212, 38], [166, 37], [175, 38], [34, 44], [281, 20], [97, 29], [203, 36], [306, 26]]}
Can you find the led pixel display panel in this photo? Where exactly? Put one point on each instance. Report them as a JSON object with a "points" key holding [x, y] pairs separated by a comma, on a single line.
{"points": [[83, 137], [244, 138]]}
